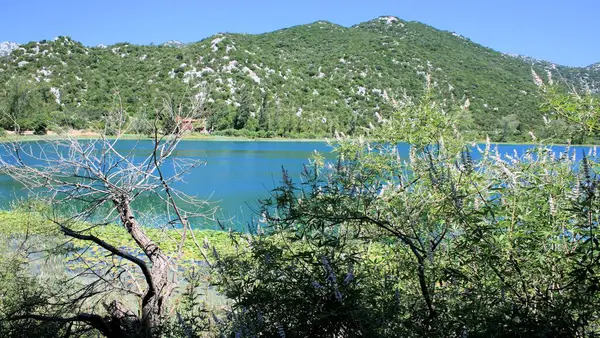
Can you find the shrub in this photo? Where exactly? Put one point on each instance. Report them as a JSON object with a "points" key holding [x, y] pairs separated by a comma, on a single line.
{"points": [[40, 127], [448, 242]]}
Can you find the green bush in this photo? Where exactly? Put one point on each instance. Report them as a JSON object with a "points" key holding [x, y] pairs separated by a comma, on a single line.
{"points": [[448, 242], [41, 128]]}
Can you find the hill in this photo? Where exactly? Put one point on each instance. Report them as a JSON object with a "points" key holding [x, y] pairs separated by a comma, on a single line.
{"points": [[305, 80]]}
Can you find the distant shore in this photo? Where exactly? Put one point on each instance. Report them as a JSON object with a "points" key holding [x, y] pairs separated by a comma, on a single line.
{"points": [[86, 134]]}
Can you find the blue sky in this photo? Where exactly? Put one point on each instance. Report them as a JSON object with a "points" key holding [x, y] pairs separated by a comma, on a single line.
{"points": [[564, 32]]}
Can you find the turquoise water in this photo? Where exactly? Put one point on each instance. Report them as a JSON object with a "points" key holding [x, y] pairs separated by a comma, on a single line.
{"points": [[237, 173]]}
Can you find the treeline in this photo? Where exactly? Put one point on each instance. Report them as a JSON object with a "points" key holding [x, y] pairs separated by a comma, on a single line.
{"points": [[26, 106]]}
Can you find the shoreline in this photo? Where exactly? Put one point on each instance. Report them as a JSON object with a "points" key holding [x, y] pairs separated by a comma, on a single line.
{"points": [[209, 138], [193, 137]]}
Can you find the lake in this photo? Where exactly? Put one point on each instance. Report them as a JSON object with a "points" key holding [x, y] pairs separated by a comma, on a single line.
{"points": [[238, 173]]}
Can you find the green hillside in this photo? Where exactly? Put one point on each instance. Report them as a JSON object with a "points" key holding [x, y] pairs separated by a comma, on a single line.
{"points": [[306, 80]]}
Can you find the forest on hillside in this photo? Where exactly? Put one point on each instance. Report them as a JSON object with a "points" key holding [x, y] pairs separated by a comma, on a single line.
{"points": [[304, 81]]}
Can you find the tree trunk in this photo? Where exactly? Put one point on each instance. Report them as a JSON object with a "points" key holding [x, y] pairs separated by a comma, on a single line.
{"points": [[159, 286]]}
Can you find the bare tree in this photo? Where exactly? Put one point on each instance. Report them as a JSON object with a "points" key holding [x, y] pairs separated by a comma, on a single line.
{"points": [[90, 184]]}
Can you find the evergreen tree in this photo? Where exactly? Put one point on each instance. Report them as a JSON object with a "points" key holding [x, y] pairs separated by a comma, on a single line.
{"points": [[243, 111], [263, 113]]}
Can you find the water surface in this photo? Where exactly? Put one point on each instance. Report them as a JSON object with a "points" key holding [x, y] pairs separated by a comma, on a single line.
{"points": [[238, 173]]}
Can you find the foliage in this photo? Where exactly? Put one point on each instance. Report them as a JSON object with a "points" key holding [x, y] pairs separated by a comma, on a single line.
{"points": [[19, 294], [20, 106], [337, 77], [452, 241], [578, 108], [22, 292], [193, 314], [455, 240]]}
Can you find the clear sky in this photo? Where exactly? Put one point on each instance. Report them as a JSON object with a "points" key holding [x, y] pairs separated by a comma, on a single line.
{"points": [[560, 31]]}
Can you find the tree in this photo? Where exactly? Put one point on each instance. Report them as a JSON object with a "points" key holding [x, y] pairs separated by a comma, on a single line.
{"points": [[19, 102], [447, 240], [97, 185], [510, 127], [264, 122], [142, 125], [169, 115], [579, 108], [243, 111]]}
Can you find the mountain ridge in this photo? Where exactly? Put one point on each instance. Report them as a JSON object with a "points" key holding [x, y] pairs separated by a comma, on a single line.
{"points": [[338, 78], [177, 43]]}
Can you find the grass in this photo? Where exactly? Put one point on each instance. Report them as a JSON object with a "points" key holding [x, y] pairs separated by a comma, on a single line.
{"points": [[191, 136], [220, 138], [20, 223]]}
